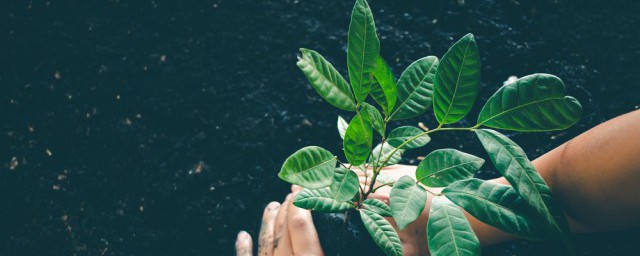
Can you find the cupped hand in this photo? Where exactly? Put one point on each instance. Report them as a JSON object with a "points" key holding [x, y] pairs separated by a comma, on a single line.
{"points": [[289, 230], [285, 230], [414, 235]]}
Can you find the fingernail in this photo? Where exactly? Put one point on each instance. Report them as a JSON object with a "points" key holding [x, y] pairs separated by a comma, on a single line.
{"points": [[273, 206], [243, 235]]}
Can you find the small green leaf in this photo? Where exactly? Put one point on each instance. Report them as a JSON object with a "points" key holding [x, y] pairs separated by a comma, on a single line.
{"points": [[533, 103], [342, 126], [345, 185], [326, 80], [415, 89], [358, 139], [383, 88], [497, 205], [407, 201], [513, 164], [319, 200], [449, 232], [386, 153], [376, 118], [444, 166], [382, 232], [309, 167], [378, 207], [402, 134], [457, 81], [363, 48]]}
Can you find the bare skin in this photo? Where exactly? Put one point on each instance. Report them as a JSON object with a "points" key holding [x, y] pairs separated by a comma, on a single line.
{"points": [[595, 177]]}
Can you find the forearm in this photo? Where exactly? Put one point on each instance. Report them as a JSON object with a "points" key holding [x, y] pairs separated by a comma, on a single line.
{"points": [[595, 178]]}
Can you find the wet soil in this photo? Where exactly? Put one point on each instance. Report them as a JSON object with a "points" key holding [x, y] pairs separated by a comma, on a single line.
{"points": [[157, 127]]}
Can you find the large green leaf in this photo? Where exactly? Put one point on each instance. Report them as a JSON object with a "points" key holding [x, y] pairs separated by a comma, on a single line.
{"points": [[383, 88], [513, 164], [444, 166], [457, 81], [415, 89], [378, 207], [345, 185], [497, 205], [382, 232], [342, 126], [386, 153], [363, 48], [358, 139], [326, 80], [402, 134], [532, 103], [376, 118], [449, 232], [309, 167], [319, 200], [407, 201]]}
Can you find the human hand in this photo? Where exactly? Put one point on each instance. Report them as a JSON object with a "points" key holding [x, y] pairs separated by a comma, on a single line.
{"points": [[413, 236], [285, 230]]}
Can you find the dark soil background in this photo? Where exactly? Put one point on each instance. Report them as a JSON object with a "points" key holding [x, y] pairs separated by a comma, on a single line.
{"points": [[158, 127]]}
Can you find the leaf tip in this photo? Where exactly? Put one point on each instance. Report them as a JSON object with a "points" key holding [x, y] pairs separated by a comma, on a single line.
{"points": [[470, 36]]}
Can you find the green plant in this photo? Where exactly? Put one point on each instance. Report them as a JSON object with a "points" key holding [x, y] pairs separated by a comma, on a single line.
{"points": [[533, 103]]}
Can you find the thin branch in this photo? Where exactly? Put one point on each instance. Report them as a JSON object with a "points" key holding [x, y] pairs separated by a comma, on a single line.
{"points": [[433, 193], [383, 184]]}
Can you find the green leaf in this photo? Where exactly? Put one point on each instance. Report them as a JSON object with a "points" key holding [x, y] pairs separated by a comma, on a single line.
{"points": [[385, 154], [383, 88], [376, 118], [415, 89], [449, 232], [326, 80], [345, 185], [513, 164], [382, 232], [363, 48], [444, 166], [532, 103], [309, 167], [457, 81], [402, 134], [497, 205], [319, 200], [358, 139], [342, 126], [407, 201], [378, 207]]}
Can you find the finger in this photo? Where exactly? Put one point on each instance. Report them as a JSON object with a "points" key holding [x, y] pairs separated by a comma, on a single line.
{"points": [[244, 244], [267, 229], [282, 244], [295, 188], [304, 237]]}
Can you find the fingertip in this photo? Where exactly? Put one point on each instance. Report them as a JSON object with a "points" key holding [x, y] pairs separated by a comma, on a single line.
{"points": [[272, 206], [243, 236], [244, 244], [295, 188]]}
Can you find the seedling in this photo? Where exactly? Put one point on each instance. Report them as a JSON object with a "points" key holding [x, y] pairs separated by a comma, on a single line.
{"points": [[449, 86]]}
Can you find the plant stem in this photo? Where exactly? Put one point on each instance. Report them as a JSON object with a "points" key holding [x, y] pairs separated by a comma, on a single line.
{"points": [[384, 184], [433, 193], [375, 173]]}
